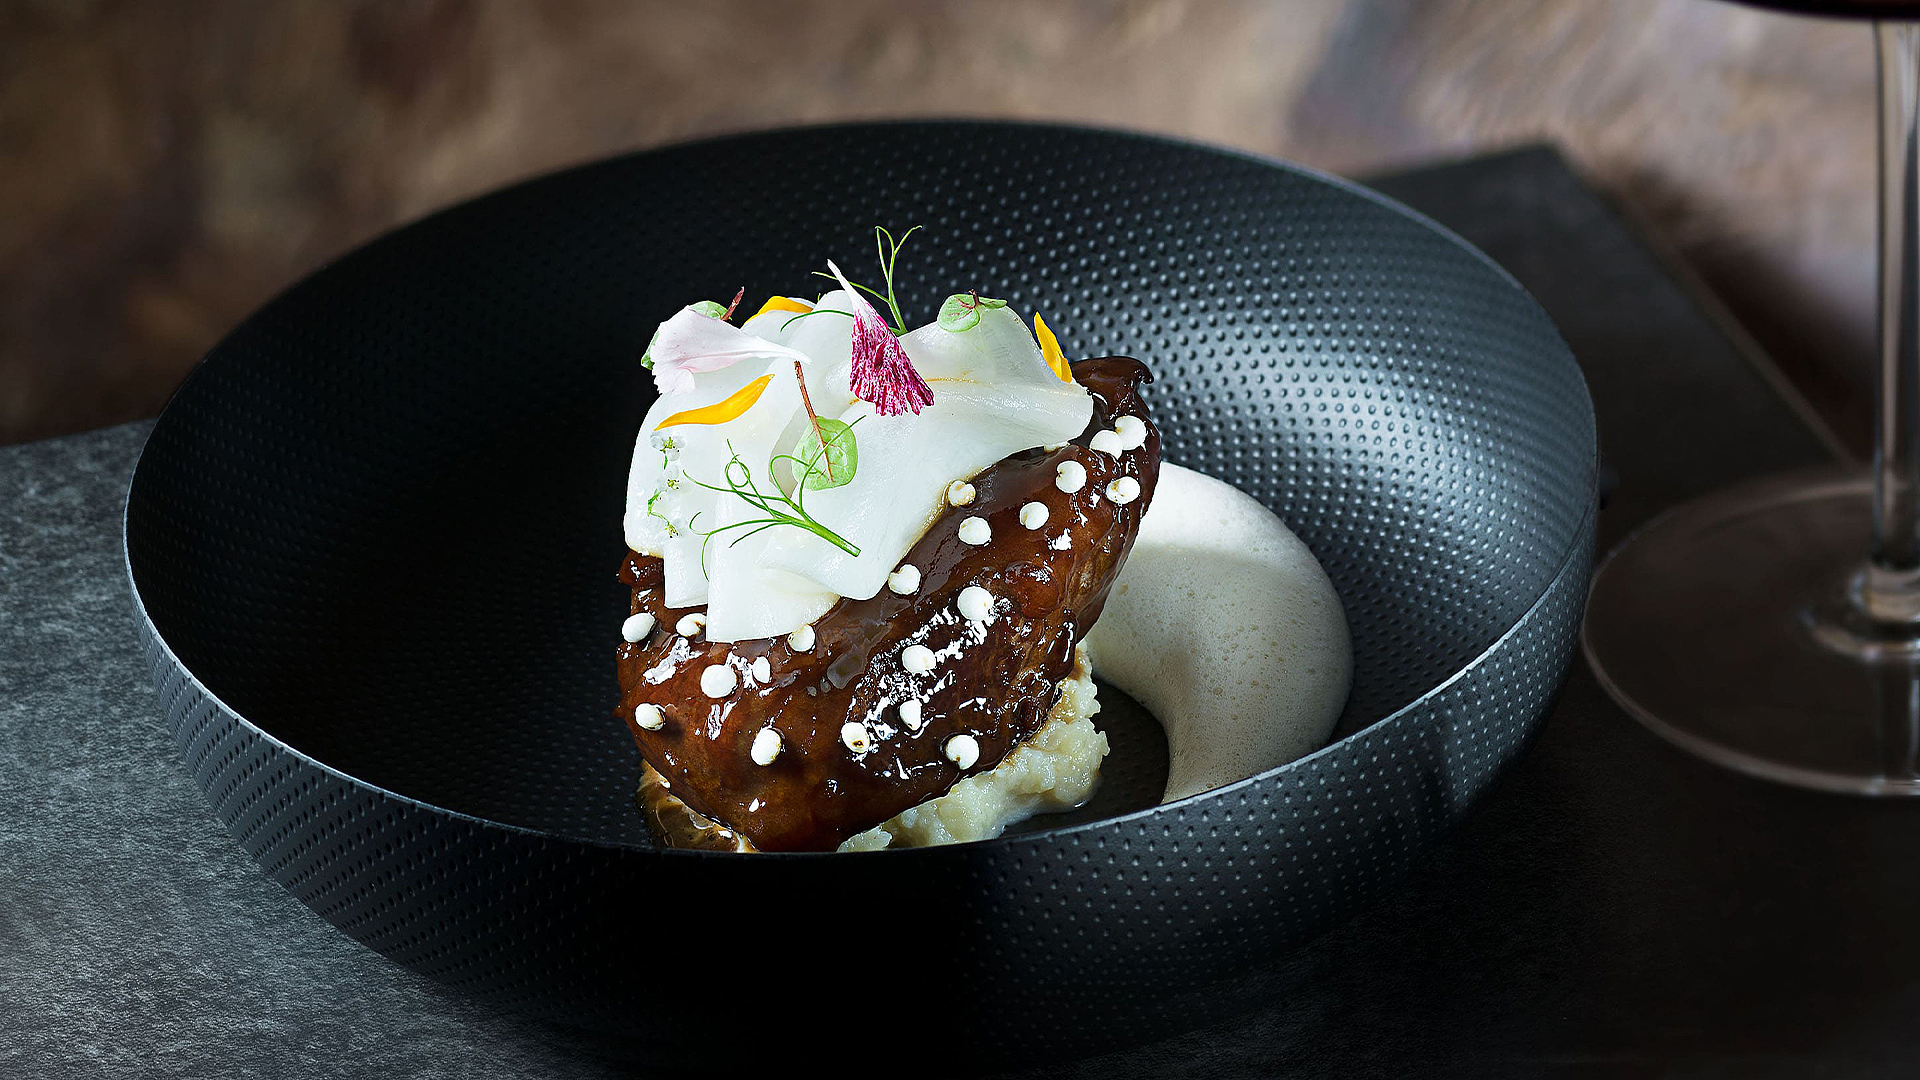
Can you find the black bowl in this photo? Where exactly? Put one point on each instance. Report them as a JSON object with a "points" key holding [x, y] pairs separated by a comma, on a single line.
{"points": [[373, 540]]}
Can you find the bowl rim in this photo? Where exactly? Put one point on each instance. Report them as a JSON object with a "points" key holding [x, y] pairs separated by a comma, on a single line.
{"points": [[150, 631]]}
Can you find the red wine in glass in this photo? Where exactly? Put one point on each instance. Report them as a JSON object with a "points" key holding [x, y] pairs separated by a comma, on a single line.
{"points": [[1774, 627]]}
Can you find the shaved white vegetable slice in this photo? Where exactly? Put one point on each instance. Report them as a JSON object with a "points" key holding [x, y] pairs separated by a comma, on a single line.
{"points": [[748, 597], [993, 395]]}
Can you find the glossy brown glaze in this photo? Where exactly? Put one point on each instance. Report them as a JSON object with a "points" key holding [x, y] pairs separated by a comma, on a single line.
{"points": [[994, 681]]}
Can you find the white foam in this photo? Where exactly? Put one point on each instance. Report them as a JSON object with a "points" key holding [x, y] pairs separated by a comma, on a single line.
{"points": [[1225, 627]]}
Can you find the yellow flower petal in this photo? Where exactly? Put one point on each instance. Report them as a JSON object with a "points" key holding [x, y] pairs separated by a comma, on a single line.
{"points": [[720, 412], [1050, 349], [782, 303]]}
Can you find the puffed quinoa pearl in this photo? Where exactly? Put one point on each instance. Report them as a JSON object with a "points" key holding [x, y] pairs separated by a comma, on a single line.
{"points": [[718, 681], [964, 751], [855, 736], [766, 746], [975, 604]]}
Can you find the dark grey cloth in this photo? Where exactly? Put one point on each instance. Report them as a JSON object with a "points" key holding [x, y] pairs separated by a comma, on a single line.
{"points": [[1615, 908]]}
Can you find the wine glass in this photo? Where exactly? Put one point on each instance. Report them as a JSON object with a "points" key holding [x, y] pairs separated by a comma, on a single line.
{"points": [[1774, 627]]}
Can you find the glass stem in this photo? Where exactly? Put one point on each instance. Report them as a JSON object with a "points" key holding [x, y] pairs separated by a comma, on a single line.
{"points": [[1890, 591]]}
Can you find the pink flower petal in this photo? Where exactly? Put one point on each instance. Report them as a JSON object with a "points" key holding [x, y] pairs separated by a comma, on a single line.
{"points": [[672, 380], [693, 342], [882, 373]]}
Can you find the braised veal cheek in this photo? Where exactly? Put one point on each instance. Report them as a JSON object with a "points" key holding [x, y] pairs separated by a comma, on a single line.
{"points": [[897, 697]]}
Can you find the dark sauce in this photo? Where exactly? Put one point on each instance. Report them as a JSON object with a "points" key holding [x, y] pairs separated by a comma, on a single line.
{"points": [[999, 687]]}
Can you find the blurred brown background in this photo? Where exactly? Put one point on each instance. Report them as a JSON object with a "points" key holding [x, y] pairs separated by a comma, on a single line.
{"points": [[165, 167]]}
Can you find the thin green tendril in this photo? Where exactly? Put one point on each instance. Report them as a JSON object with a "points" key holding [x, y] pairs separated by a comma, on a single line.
{"points": [[739, 480], [889, 251], [815, 311]]}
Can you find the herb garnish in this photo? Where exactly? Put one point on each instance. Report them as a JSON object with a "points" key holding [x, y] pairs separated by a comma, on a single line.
{"points": [[821, 439], [779, 507], [961, 311], [889, 251]]}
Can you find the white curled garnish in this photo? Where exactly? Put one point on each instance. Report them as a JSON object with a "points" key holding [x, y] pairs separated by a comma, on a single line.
{"points": [[1033, 515], [959, 493], [801, 640], [910, 714], [975, 531], [975, 604], [637, 627], [1132, 431], [905, 580], [718, 680], [690, 624], [1106, 442], [1070, 476], [1123, 490], [766, 746], [649, 717], [855, 736], [963, 750], [762, 670], [917, 659]]}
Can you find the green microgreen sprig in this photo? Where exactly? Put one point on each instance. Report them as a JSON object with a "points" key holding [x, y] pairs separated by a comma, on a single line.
{"points": [[779, 507], [889, 257], [832, 445], [889, 251], [819, 436], [815, 311], [667, 448], [961, 311], [671, 529]]}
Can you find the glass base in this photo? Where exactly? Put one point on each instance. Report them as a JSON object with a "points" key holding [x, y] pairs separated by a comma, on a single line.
{"points": [[1734, 628]]}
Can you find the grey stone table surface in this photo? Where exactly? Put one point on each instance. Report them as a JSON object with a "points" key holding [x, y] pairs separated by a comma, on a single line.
{"points": [[1614, 908]]}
